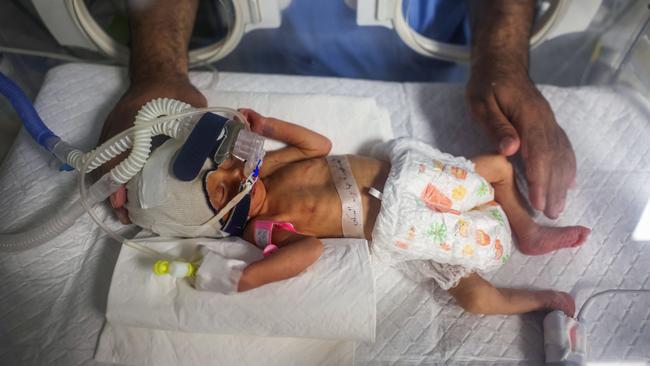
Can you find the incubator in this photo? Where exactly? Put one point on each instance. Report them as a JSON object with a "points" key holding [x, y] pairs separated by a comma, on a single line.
{"points": [[610, 261], [75, 24], [512, 324]]}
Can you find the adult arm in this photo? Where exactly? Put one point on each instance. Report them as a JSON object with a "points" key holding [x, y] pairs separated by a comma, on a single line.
{"points": [[158, 67], [502, 97]]}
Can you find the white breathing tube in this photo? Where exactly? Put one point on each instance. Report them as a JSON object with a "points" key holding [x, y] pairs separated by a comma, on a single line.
{"points": [[175, 122]]}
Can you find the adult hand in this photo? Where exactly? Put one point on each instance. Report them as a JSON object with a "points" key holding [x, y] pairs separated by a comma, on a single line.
{"points": [[123, 114], [517, 116]]}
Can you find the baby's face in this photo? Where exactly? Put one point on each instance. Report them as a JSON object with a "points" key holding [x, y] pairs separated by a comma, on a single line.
{"points": [[223, 184]]}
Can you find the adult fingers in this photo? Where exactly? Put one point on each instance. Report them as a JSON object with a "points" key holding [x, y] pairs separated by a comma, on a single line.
{"points": [[122, 215], [498, 126], [556, 196], [504, 134], [118, 198], [563, 178], [537, 172], [118, 202], [195, 99]]}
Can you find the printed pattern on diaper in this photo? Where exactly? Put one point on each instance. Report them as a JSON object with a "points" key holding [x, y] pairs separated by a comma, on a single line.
{"points": [[438, 232], [436, 200], [474, 238], [453, 189], [443, 211]]}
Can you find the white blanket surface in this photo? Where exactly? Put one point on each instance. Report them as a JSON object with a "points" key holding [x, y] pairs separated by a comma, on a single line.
{"points": [[313, 304], [54, 297]]}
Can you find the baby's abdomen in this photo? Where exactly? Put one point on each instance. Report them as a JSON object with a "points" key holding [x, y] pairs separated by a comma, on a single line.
{"points": [[318, 212]]}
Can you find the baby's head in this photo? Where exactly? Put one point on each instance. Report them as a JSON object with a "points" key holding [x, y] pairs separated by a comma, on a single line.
{"points": [[160, 202]]}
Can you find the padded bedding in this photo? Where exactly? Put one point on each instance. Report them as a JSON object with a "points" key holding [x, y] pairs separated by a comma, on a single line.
{"points": [[311, 305], [54, 297]]}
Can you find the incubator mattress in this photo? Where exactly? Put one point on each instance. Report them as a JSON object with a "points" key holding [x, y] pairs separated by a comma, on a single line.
{"points": [[53, 298]]}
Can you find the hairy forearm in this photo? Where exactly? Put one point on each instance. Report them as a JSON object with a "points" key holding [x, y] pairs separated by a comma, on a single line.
{"points": [[160, 34], [500, 34]]}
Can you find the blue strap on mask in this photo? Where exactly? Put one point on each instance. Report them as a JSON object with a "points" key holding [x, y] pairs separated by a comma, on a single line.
{"points": [[204, 139], [203, 143], [238, 217]]}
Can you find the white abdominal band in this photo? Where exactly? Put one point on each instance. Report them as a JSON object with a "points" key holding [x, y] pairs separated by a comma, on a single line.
{"points": [[346, 187]]}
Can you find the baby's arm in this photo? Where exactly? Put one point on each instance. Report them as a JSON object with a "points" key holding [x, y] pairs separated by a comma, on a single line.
{"points": [[294, 256], [302, 143]]}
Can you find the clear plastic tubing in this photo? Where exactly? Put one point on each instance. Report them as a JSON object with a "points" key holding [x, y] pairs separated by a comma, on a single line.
{"points": [[177, 124], [250, 147], [88, 196]]}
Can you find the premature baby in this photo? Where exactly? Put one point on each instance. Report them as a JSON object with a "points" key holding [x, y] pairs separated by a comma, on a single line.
{"points": [[425, 212]]}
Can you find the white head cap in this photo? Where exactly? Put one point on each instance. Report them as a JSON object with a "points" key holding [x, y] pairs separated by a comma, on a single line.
{"points": [[159, 202]]}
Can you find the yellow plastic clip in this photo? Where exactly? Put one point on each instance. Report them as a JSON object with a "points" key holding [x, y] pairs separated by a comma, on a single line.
{"points": [[161, 267], [191, 270], [175, 269]]}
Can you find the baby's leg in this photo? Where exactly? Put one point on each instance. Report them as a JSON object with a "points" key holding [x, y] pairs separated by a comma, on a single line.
{"points": [[532, 238], [478, 296]]}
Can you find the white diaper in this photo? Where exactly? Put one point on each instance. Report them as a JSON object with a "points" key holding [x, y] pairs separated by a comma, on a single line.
{"points": [[438, 217]]}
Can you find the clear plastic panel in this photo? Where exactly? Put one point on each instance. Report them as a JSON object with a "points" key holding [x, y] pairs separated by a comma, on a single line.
{"points": [[614, 49]]}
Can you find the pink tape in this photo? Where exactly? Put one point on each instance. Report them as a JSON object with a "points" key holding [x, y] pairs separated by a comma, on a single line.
{"points": [[264, 234]]}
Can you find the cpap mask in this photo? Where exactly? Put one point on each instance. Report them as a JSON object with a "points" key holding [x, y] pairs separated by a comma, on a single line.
{"points": [[169, 196], [165, 187], [170, 176], [229, 136]]}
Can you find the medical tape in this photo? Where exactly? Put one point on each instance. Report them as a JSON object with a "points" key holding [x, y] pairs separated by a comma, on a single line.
{"points": [[346, 187], [264, 234]]}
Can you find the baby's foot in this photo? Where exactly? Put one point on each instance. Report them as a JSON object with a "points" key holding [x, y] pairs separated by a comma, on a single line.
{"points": [[543, 239], [558, 300]]}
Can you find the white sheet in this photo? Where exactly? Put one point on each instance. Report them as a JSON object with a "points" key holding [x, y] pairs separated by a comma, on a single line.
{"points": [[313, 305], [52, 307], [310, 305], [148, 347], [343, 119]]}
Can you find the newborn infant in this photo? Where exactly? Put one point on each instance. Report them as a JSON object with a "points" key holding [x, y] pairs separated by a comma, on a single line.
{"points": [[427, 213]]}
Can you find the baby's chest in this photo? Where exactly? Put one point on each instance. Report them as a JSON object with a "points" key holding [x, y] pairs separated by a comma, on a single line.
{"points": [[313, 210], [305, 195], [308, 201], [305, 181]]}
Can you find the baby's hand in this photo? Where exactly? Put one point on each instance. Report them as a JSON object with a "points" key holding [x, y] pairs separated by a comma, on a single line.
{"points": [[257, 122], [302, 143]]}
